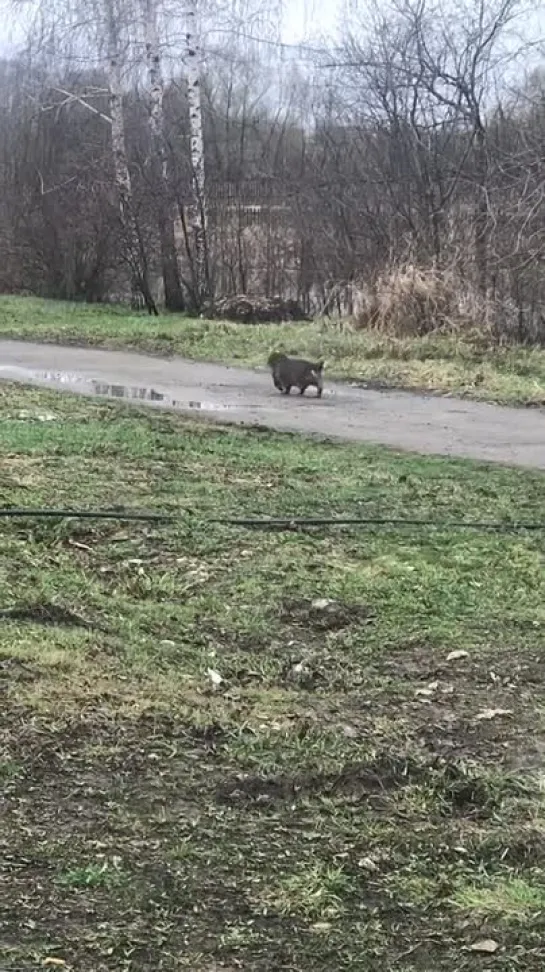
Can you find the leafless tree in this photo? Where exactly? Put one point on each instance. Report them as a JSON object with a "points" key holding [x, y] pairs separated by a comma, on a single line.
{"points": [[174, 297], [134, 245]]}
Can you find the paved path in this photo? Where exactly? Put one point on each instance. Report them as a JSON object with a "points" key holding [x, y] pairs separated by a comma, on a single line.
{"points": [[420, 423]]}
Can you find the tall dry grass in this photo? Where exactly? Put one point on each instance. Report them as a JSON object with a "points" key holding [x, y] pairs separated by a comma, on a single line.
{"points": [[413, 301]]}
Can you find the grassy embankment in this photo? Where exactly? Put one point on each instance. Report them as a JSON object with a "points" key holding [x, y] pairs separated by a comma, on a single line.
{"points": [[232, 749]]}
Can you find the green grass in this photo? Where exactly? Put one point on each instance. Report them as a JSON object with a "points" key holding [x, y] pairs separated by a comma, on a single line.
{"points": [[100, 875], [506, 899], [513, 375], [344, 795]]}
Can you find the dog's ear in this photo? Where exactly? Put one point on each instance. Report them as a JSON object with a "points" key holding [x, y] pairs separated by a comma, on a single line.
{"points": [[320, 366]]}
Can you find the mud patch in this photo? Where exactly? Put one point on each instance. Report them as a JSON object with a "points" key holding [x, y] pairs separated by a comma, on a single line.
{"points": [[481, 667], [14, 670], [523, 848], [356, 781], [323, 614], [46, 614], [465, 795]]}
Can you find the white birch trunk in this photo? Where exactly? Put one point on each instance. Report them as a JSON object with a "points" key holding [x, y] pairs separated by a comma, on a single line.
{"points": [[198, 207], [155, 79], [169, 252], [121, 166]]}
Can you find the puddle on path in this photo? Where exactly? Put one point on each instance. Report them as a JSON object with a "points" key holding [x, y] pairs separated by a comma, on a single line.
{"points": [[73, 380], [106, 390]]}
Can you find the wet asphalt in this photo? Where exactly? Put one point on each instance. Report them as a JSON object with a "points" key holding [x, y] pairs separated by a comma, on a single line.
{"points": [[428, 424]]}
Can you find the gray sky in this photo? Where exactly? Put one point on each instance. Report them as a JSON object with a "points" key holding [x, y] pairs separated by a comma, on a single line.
{"points": [[304, 18], [301, 20]]}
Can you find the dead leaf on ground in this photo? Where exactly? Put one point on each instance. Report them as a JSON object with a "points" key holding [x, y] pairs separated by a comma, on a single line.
{"points": [[428, 690], [488, 714], [486, 945], [214, 677]]}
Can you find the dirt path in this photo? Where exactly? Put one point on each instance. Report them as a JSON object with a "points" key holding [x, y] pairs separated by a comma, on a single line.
{"points": [[420, 423]]}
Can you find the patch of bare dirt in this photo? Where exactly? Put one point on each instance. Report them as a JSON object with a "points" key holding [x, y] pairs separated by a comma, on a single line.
{"points": [[359, 780], [46, 614], [324, 614]]}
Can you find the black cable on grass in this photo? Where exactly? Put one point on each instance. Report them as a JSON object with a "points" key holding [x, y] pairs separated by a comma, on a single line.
{"points": [[15, 512], [272, 523], [290, 523]]}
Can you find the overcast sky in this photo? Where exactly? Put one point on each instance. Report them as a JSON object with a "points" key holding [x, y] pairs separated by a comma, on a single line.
{"points": [[301, 20]]}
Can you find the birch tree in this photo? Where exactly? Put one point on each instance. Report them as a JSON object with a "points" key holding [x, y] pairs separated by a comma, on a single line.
{"points": [[174, 298], [197, 203]]}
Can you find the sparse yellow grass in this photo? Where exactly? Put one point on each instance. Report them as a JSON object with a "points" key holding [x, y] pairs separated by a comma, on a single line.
{"points": [[411, 301]]}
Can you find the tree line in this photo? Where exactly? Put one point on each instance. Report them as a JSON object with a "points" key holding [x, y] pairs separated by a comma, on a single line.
{"points": [[417, 139]]}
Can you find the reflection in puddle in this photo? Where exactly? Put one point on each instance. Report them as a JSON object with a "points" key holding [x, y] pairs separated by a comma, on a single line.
{"points": [[121, 391], [150, 395], [107, 390]]}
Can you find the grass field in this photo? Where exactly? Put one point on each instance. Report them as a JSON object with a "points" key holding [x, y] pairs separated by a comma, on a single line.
{"points": [[225, 749], [513, 375]]}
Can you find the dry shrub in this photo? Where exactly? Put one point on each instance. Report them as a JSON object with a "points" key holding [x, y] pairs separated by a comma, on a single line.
{"points": [[411, 301]]}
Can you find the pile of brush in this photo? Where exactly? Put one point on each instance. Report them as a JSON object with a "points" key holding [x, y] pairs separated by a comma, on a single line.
{"points": [[256, 310]]}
